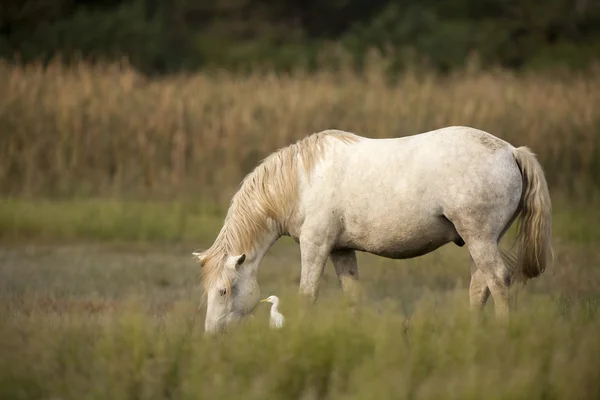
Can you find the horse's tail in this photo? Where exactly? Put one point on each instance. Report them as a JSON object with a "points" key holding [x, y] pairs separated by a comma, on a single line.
{"points": [[535, 222]]}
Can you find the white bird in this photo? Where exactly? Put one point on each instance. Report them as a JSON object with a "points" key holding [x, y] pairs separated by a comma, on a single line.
{"points": [[277, 319]]}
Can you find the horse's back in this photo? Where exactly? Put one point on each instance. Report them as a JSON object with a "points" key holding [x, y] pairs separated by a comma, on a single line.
{"points": [[400, 197], [429, 164]]}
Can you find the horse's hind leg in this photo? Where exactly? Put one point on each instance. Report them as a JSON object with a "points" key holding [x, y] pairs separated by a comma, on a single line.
{"points": [[493, 272], [478, 289], [346, 267], [479, 292]]}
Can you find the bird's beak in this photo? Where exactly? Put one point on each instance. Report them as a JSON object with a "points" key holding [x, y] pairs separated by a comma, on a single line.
{"points": [[264, 301]]}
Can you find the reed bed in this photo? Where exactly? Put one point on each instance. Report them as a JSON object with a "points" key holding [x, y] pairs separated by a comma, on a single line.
{"points": [[106, 130]]}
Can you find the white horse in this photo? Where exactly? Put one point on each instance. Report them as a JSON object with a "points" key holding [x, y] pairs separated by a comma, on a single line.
{"points": [[336, 193]]}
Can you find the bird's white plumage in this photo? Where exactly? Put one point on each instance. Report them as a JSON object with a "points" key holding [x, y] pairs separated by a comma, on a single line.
{"points": [[277, 319]]}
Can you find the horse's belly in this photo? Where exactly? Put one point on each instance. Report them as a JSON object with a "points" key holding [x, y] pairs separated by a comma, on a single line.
{"points": [[400, 242], [402, 250]]}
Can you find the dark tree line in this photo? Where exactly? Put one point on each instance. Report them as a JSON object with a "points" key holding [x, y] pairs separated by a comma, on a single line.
{"points": [[170, 35]]}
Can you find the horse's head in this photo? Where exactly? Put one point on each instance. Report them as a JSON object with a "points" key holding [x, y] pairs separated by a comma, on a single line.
{"points": [[231, 290]]}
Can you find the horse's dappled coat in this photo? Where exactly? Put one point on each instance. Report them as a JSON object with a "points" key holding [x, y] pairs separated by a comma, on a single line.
{"points": [[335, 193]]}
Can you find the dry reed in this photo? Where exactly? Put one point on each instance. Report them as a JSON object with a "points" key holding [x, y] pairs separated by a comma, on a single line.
{"points": [[106, 130]]}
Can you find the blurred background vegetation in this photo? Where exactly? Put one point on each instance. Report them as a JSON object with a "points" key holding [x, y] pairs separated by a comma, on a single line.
{"points": [[126, 126], [178, 100], [160, 36]]}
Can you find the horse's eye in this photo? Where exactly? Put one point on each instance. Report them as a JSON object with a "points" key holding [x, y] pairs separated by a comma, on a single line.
{"points": [[223, 292]]}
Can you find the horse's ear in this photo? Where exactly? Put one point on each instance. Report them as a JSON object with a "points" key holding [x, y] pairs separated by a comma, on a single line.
{"points": [[240, 260], [236, 261], [199, 254]]}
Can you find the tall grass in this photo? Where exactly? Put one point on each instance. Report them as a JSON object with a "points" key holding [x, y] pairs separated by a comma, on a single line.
{"points": [[105, 130], [438, 354], [97, 322]]}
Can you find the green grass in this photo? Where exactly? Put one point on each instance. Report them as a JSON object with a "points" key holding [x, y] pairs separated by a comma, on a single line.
{"points": [[101, 300], [438, 353], [175, 221], [107, 220]]}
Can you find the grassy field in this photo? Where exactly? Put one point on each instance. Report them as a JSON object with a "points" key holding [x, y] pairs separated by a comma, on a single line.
{"points": [[108, 181], [87, 317]]}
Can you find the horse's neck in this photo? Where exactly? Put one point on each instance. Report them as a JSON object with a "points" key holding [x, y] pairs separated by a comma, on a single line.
{"points": [[263, 242]]}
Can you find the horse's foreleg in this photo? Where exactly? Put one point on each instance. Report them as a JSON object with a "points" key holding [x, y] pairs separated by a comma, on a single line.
{"points": [[314, 256], [346, 268]]}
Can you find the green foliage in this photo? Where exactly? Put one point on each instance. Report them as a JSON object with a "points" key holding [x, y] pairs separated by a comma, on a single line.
{"points": [[446, 34], [166, 36], [106, 220], [95, 34]]}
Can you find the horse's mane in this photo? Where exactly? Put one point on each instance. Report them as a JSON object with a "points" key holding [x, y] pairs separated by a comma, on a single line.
{"points": [[267, 194]]}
